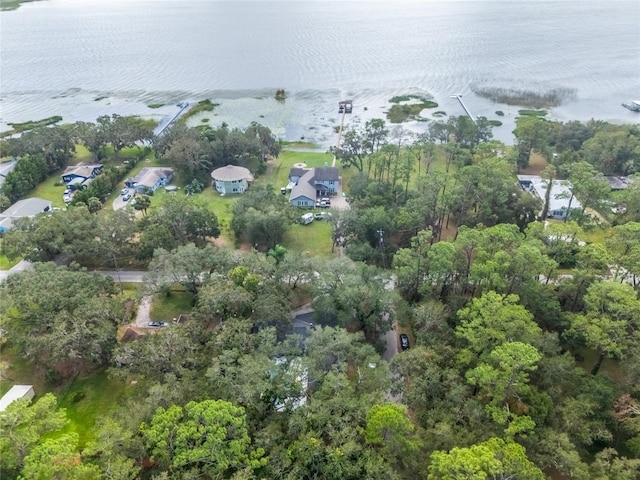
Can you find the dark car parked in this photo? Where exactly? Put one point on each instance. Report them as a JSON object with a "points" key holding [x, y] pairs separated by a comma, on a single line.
{"points": [[404, 341]]}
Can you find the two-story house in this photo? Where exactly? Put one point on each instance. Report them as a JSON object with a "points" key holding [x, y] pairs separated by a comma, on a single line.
{"points": [[311, 184]]}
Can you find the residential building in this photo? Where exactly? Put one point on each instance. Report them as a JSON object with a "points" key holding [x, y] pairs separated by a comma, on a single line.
{"points": [[231, 179], [311, 184], [79, 176], [28, 207], [150, 178], [561, 199]]}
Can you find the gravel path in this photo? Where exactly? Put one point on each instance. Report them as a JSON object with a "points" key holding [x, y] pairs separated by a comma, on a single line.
{"points": [[142, 317]]}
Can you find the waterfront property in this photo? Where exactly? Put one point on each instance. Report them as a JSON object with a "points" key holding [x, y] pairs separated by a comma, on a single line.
{"points": [[309, 184], [150, 179], [231, 179], [28, 207], [79, 176], [561, 200]]}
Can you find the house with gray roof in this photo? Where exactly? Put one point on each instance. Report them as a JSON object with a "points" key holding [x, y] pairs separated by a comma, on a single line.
{"points": [[150, 178], [619, 183], [561, 200], [313, 183], [28, 207], [231, 179], [79, 176]]}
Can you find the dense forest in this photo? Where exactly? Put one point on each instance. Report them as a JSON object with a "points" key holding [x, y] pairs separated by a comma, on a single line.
{"points": [[524, 358]]}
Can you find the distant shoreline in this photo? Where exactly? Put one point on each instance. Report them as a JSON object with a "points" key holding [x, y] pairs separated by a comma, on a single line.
{"points": [[308, 115], [7, 5]]}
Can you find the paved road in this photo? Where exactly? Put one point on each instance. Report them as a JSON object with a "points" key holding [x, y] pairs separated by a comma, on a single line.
{"points": [[19, 267], [125, 276]]}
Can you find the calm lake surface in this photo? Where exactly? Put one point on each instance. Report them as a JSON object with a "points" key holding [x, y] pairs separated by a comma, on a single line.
{"points": [[85, 58]]}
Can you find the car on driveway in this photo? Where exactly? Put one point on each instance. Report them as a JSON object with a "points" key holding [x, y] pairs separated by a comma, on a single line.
{"points": [[126, 198], [124, 191], [157, 324], [404, 341]]}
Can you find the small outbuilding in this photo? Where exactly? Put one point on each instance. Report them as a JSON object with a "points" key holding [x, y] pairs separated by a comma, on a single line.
{"points": [[231, 179], [17, 392]]}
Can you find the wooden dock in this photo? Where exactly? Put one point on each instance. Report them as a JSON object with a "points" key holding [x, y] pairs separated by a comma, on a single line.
{"points": [[344, 107]]}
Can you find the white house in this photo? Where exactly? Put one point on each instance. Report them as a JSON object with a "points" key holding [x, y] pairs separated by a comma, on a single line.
{"points": [[560, 201], [231, 179], [16, 393]]}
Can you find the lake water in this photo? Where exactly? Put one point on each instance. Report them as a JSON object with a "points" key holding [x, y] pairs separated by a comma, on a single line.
{"points": [[85, 58]]}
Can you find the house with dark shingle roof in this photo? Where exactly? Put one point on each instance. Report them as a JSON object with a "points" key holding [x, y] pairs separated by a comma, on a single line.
{"points": [[313, 183], [79, 176]]}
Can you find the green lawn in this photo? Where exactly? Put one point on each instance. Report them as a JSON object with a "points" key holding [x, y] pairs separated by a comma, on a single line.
{"points": [[19, 371], [166, 308], [5, 263], [51, 189], [86, 399], [314, 239], [278, 169]]}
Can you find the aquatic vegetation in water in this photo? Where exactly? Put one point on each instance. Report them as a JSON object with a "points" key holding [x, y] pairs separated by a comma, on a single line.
{"points": [[551, 97]]}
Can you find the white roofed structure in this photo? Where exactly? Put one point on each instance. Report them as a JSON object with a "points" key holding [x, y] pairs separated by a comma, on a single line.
{"points": [[17, 392]]}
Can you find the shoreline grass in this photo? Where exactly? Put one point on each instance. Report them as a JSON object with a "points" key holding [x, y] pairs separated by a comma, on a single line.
{"points": [[527, 98], [6, 5], [402, 112], [201, 106], [30, 125]]}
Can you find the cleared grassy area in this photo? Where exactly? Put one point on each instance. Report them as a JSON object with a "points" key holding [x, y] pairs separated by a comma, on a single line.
{"points": [[278, 169], [612, 368], [537, 163], [82, 154], [166, 308], [313, 239], [596, 235], [19, 371], [5, 263], [51, 189], [86, 399]]}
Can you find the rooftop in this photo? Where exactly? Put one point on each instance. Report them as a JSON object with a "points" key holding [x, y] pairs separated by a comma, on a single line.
{"points": [[16, 393], [229, 173], [560, 191]]}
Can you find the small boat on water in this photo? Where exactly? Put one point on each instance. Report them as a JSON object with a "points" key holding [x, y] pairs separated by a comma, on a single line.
{"points": [[633, 105]]}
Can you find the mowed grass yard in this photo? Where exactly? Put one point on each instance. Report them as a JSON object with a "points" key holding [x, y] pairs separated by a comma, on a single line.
{"points": [[313, 239], [88, 398]]}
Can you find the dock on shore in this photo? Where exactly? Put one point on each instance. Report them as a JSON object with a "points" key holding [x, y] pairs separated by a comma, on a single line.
{"points": [[344, 107], [168, 121]]}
